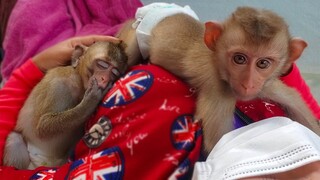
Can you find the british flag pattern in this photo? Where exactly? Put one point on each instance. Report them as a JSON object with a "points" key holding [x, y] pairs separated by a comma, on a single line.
{"points": [[184, 132], [107, 164], [46, 174], [127, 89], [182, 171]]}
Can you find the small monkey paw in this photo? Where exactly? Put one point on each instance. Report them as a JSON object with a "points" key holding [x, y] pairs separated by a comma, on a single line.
{"points": [[93, 92]]}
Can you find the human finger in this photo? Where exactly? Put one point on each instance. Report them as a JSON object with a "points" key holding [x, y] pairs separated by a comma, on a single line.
{"points": [[88, 40]]}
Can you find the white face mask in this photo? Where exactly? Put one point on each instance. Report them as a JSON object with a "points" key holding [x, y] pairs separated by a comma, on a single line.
{"points": [[150, 15], [270, 146]]}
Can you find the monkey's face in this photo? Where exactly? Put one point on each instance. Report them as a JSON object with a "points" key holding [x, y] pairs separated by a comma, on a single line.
{"points": [[248, 73], [104, 72], [104, 62], [247, 67]]}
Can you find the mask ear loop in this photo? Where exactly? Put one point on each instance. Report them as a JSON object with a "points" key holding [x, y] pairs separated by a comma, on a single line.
{"points": [[243, 117]]}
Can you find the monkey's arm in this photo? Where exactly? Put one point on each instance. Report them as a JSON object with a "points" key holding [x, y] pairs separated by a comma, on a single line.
{"points": [[13, 95], [51, 124], [215, 108], [295, 80], [293, 104]]}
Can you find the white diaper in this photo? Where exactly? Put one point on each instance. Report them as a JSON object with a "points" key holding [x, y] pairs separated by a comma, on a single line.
{"points": [[149, 16], [39, 158]]}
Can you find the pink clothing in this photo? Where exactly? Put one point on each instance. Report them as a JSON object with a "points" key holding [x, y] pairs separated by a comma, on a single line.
{"points": [[295, 80], [48, 22]]}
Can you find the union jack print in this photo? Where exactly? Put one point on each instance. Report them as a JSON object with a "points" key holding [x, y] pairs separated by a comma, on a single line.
{"points": [[184, 132], [47, 174], [107, 164], [128, 88], [182, 172]]}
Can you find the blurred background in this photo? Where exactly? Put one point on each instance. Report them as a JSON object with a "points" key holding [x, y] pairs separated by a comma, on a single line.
{"points": [[303, 18]]}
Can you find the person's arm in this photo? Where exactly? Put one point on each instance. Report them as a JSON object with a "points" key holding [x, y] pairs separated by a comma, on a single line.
{"points": [[23, 79], [295, 80], [13, 95]]}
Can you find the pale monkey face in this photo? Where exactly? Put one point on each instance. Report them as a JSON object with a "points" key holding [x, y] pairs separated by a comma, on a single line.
{"points": [[247, 67]]}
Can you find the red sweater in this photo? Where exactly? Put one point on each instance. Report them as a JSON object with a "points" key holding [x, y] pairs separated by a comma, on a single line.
{"points": [[132, 136], [295, 80], [147, 118]]}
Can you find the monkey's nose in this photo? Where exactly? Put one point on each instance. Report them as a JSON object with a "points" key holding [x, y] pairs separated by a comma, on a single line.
{"points": [[247, 87], [248, 91], [103, 82]]}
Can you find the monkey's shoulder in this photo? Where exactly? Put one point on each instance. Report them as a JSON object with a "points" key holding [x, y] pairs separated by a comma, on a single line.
{"points": [[64, 76], [180, 25], [62, 72]]}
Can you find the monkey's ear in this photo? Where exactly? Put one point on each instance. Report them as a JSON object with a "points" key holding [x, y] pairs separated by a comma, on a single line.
{"points": [[212, 33], [78, 51], [296, 47]]}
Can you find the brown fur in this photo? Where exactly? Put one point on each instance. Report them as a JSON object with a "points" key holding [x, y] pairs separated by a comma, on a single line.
{"points": [[53, 116], [218, 88], [127, 35], [203, 55]]}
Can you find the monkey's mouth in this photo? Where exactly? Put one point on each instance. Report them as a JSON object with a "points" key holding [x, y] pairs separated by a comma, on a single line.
{"points": [[245, 98], [243, 95]]}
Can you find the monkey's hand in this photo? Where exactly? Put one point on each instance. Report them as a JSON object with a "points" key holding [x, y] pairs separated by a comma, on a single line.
{"points": [[94, 93], [73, 118]]}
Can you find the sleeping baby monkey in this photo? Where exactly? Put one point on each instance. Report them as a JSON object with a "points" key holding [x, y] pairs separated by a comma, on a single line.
{"points": [[52, 118]]}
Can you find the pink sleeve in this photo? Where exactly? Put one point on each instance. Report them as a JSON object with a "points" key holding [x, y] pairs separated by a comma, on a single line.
{"points": [[295, 80], [13, 95]]}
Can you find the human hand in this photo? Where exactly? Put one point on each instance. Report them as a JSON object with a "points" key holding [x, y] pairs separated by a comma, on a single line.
{"points": [[60, 53]]}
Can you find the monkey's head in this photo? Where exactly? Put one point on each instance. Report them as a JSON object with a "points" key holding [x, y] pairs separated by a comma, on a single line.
{"points": [[253, 46], [104, 61], [128, 35]]}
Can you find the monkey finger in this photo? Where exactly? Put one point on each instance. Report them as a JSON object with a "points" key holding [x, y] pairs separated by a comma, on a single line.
{"points": [[109, 86], [93, 91], [93, 84]]}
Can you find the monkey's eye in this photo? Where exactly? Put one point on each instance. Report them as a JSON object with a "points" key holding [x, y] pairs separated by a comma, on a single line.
{"points": [[103, 64], [263, 63], [239, 59], [116, 72]]}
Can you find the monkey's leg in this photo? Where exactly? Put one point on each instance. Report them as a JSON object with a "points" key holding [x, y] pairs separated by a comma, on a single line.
{"points": [[54, 123], [16, 153], [292, 103]]}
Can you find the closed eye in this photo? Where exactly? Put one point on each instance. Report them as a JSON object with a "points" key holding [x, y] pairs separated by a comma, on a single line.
{"points": [[103, 64], [116, 72]]}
